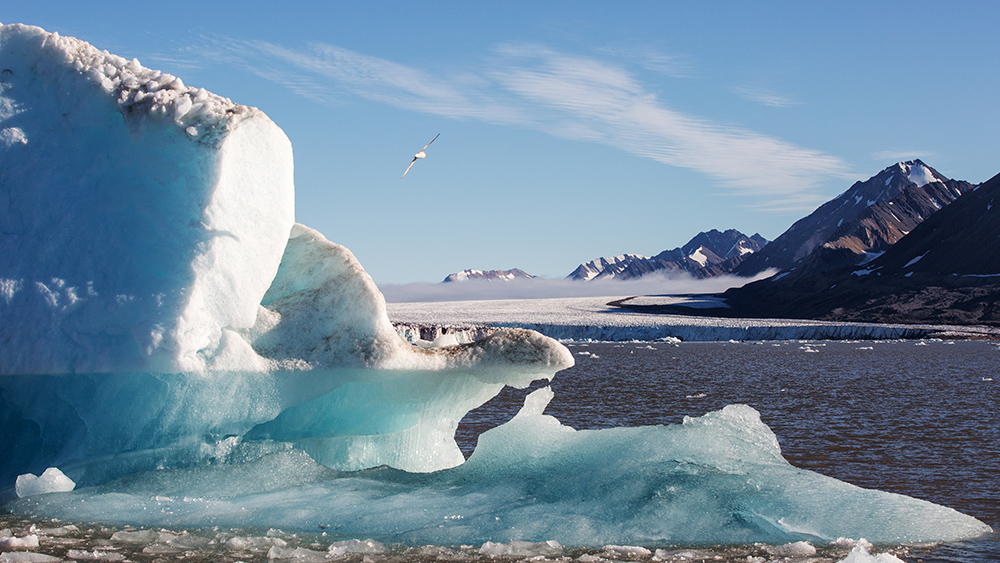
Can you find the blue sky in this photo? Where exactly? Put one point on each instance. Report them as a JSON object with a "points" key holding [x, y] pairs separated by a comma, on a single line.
{"points": [[573, 130]]}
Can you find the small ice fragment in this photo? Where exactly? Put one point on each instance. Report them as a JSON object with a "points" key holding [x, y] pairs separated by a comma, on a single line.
{"points": [[848, 542], [860, 555], [26, 542], [299, 555], [51, 481], [796, 549], [342, 548], [618, 551], [251, 543], [96, 555], [445, 340], [521, 549], [27, 557]]}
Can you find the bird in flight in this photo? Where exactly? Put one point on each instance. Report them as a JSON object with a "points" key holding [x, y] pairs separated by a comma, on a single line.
{"points": [[420, 154]]}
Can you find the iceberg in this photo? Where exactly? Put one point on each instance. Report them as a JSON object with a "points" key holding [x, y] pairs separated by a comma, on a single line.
{"points": [[50, 481], [189, 356]]}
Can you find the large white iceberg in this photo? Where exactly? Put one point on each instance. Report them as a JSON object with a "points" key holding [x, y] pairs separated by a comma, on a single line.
{"points": [[142, 219], [156, 297], [189, 356]]}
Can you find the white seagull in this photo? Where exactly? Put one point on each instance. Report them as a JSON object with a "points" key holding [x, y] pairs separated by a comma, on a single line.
{"points": [[420, 154]]}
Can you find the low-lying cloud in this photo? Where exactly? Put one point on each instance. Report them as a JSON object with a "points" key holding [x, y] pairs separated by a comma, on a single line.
{"points": [[540, 288]]}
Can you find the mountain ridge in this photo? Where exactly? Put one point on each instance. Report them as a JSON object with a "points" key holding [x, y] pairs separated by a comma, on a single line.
{"points": [[707, 254]]}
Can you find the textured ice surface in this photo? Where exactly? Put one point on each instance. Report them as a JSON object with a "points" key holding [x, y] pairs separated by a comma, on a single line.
{"points": [[143, 220], [716, 479]]}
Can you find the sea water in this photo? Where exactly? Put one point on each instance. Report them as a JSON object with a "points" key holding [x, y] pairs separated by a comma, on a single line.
{"points": [[919, 418], [916, 418]]}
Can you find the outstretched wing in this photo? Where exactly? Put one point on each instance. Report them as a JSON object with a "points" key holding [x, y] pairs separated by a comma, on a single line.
{"points": [[429, 144], [410, 166]]}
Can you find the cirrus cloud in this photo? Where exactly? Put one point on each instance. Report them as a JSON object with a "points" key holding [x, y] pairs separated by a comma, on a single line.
{"points": [[568, 96]]}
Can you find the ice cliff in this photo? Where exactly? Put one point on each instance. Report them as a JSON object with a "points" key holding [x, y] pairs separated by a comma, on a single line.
{"points": [[142, 219], [186, 355]]}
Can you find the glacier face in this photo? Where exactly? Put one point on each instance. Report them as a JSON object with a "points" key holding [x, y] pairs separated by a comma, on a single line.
{"points": [[188, 356]]}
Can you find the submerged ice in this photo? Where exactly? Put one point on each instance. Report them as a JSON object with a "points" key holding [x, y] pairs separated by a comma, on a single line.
{"points": [[189, 356]]}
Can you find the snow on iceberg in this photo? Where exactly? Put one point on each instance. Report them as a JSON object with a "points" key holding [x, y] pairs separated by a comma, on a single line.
{"points": [[191, 357], [143, 220]]}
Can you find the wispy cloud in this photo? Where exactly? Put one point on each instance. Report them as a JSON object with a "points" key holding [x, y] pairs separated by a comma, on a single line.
{"points": [[677, 66], [764, 97], [568, 96]]}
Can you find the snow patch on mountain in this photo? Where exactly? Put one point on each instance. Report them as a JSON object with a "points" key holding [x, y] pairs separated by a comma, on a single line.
{"points": [[488, 275]]}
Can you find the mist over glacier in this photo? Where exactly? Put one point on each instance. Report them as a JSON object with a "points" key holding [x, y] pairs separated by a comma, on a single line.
{"points": [[189, 356]]}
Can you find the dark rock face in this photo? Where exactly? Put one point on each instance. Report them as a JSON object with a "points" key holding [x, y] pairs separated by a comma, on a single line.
{"points": [[867, 219], [946, 270]]}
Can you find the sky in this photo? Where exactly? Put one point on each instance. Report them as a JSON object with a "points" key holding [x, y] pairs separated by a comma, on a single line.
{"points": [[573, 130]]}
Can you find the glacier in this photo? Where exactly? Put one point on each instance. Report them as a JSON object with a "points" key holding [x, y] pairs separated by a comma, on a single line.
{"points": [[189, 356]]}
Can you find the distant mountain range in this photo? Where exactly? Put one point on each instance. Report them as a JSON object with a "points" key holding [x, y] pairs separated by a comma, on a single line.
{"points": [[708, 254], [928, 253], [488, 275], [906, 245]]}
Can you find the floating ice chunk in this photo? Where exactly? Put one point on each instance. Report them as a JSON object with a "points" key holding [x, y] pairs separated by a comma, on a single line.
{"points": [[796, 549], [860, 555], [445, 340], [625, 551], [26, 542], [352, 547], [27, 557], [849, 542], [137, 537], [298, 555], [240, 543], [61, 531], [522, 549], [51, 481], [96, 555]]}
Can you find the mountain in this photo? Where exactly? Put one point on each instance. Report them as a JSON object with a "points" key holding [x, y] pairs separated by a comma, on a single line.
{"points": [[605, 268], [708, 254], [488, 275], [946, 270], [865, 220]]}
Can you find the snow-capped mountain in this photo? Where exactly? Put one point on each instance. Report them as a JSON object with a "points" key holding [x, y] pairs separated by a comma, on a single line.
{"points": [[605, 268], [947, 269], [708, 254], [488, 275], [866, 219]]}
